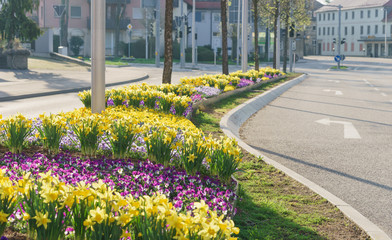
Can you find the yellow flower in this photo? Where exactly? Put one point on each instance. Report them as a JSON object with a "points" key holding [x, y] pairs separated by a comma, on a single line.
{"points": [[26, 216], [191, 157], [3, 217], [42, 219], [98, 215]]}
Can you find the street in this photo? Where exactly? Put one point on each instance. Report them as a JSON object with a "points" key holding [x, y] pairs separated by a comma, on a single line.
{"points": [[335, 128]]}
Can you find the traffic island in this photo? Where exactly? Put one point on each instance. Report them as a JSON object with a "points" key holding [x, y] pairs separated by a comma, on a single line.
{"points": [[17, 58]]}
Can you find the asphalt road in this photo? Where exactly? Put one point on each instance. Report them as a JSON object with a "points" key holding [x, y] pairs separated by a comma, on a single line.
{"points": [[335, 128]]}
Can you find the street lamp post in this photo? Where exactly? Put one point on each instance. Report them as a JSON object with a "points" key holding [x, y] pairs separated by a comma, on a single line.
{"points": [[385, 32], [339, 32], [194, 33], [244, 55], [157, 33], [98, 27]]}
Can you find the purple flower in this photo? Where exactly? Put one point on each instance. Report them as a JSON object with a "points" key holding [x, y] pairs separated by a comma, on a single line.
{"points": [[244, 83], [110, 102]]}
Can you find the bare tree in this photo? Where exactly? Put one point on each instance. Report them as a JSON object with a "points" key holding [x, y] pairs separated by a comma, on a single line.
{"points": [[64, 23], [168, 62], [256, 29], [225, 61], [118, 17]]}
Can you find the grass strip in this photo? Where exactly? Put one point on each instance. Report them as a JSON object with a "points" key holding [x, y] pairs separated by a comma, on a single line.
{"points": [[272, 205]]}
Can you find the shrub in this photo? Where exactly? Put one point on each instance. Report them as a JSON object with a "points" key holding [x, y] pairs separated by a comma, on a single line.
{"points": [[75, 44]]}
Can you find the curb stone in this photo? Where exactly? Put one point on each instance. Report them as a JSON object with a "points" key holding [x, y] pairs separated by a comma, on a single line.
{"points": [[230, 125]]}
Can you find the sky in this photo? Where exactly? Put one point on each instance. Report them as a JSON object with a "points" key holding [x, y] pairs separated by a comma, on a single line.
{"points": [[323, 1]]}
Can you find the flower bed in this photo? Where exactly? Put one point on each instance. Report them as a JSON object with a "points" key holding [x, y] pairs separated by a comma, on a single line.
{"points": [[181, 165]]}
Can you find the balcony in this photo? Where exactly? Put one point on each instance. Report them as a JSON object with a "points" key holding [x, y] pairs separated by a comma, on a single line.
{"points": [[114, 1], [110, 23]]}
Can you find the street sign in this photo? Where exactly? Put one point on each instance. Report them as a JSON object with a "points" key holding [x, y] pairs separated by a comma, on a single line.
{"points": [[129, 26], [343, 57], [337, 58]]}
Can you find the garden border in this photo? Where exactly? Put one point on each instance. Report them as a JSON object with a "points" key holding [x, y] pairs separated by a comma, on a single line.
{"points": [[230, 125], [228, 94]]}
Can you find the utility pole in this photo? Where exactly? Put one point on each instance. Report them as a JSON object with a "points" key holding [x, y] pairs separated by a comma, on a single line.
{"points": [[182, 49], [194, 33], [244, 59], [339, 31], [278, 40], [157, 32], [385, 33], [238, 31], [98, 29], [146, 34], [291, 40]]}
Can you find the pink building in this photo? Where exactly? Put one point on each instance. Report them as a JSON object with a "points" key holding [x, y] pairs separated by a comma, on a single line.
{"points": [[79, 23]]}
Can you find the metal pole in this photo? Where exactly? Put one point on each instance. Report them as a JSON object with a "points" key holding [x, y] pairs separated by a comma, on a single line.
{"points": [[193, 33], [339, 32], [98, 28], [238, 31], [129, 44], [385, 44], [291, 42], [146, 34], [182, 54], [244, 59], [278, 41], [157, 33]]}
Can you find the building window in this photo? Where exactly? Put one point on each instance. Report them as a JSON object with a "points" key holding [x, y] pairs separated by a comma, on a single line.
{"points": [[352, 15], [324, 47], [376, 29], [376, 13], [361, 30], [329, 16], [327, 46], [319, 17], [346, 15], [352, 47], [345, 47], [361, 14], [345, 30], [368, 30], [76, 12], [333, 31], [383, 29], [323, 31], [216, 17], [328, 31], [319, 31], [360, 47], [323, 16], [333, 16], [58, 10], [368, 13], [352, 30], [314, 28], [199, 17]]}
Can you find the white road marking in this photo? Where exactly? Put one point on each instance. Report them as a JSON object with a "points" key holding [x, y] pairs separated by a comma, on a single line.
{"points": [[350, 132], [384, 94], [336, 91], [335, 81]]}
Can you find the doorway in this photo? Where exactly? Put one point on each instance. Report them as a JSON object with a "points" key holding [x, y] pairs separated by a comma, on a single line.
{"points": [[376, 50]]}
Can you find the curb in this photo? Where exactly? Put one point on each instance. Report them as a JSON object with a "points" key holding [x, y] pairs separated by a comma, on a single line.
{"points": [[230, 125], [34, 95]]}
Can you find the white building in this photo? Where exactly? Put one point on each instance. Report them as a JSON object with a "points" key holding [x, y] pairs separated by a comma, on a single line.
{"points": [[363, 27]]}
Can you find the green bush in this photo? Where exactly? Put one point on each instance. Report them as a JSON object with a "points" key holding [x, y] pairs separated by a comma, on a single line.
{"points": [[75, 44]]}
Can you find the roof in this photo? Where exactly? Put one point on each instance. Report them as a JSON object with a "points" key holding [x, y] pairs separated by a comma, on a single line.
{"points": [[204, 4], [355, 4]]}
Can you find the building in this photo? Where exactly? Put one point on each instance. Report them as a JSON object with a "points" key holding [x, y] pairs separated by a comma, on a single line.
{"points": [[309, 40], [365, 27]]}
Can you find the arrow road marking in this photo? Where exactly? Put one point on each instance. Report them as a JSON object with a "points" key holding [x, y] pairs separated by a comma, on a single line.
{"points": [[336, 92], [350, 132], [336, 81], [384, 94]]}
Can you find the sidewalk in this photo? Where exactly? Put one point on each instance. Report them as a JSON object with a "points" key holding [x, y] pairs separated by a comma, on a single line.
{"points": [[21, 84]]}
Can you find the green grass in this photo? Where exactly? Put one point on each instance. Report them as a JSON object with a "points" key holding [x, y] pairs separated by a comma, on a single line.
{"points": [[271, 205], [341, 67]]}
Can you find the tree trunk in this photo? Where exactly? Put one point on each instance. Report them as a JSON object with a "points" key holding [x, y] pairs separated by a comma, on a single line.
{"points": [[267, 34], [285, 45], [225, 62], [275, 31], [168, 63], [64, 24], [256, 29]]}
